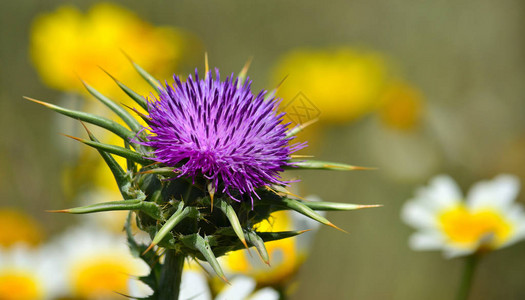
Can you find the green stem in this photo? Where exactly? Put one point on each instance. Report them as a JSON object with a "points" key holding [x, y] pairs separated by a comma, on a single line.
{"points": [[170, 276], [471, 262]]}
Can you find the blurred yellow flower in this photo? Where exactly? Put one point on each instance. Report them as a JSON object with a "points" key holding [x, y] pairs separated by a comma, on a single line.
{"points": [[401, 106], [488, 219], [19, 228], [67, 44], [343, 83]]}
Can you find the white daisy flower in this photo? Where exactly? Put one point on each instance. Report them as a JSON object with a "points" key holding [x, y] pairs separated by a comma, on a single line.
{"points": [[487, 220], [97, 264], [27, 274]]}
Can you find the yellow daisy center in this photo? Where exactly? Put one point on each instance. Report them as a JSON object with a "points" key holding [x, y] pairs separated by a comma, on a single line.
{"points": [[467, 228], [101, 277], [19, 285]]}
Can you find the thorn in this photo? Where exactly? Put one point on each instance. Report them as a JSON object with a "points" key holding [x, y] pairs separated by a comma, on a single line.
{"points": [[249, 252], [145, 172], [149, 248], [211, 191], [285, 192], [124, 295], [271, 190], [58, 211], [104, 70], [85, 128], [353, 168], [202, 267], [152, 171], [301, 156], [267, 262], [73, 137], [126, 55], [247, 65], [143, 116], [305, 230], [206, 66], [152, 164], [280, 83], [292, 194], [369, 206], [308, 123], [333, 226], [38, 101], [223, 277], [246, 246]]}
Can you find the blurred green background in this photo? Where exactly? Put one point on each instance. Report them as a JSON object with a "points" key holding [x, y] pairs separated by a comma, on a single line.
{"points": [[465, 57]]}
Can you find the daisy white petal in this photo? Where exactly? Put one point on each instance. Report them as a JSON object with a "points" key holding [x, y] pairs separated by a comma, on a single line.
{"points": [[417, 214], [426, 241], [442, 192], [241, 287], [497, 193], [265, 294], [194, 286]]}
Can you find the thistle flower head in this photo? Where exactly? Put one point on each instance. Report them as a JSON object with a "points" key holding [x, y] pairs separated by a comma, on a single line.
{"points": [[219, 134], [220, 130]]}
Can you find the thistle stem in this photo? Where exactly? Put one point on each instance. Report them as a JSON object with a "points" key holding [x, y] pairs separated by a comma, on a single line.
{"points": [[471, 262], [170, 276]]}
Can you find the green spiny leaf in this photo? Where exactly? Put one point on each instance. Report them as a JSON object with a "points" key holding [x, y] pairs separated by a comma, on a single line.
{"points": [[322, 165], [220, 248], [229, 212], [244, 73], [133, 124], [201, 244], [271, 94], [130, 165], [258, 243], [120, 151], [135, 204], [300, 127], [164, 171], [179, 215], [90, 118], [154, 83], [279, 235], [116, 169], [300, 207], [141, 101], [321, 205]]}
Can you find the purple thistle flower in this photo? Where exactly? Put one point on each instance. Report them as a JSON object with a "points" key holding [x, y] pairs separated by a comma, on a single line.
{"points": [[220, 131]]}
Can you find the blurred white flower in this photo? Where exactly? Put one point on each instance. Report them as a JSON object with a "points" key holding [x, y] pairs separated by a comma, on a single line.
{"points": [[194, 286], [97, 264], [488, 219], [27, 274]]}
